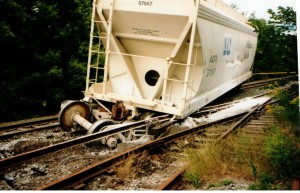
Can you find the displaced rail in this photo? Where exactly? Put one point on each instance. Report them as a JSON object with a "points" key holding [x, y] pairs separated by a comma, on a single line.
{"points": [[78, 179], [249, 126], [84, 139], [82, 176]]}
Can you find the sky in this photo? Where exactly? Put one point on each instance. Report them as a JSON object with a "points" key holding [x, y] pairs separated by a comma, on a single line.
{"points": [[261, 6]]}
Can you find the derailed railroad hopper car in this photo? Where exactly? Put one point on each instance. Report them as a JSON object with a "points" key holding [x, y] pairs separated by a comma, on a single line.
{"points": [[168, 56]]}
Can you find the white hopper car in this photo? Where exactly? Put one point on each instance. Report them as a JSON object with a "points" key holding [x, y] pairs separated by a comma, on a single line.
{"points": [[168, 56]]}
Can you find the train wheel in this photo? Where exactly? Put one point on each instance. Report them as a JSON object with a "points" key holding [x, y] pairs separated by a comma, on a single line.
{"points": [[102, 125], [98, 125], [68, 110]]}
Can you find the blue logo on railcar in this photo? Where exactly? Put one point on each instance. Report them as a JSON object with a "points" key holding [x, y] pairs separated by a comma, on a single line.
{"points": [[227, 46]]}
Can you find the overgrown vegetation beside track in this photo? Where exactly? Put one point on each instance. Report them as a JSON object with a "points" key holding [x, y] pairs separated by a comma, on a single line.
{"points": [[237, 159], [287, 110], [271, 162]]}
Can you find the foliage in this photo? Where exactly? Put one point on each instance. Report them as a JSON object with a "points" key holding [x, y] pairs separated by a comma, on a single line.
{"points": [[282, 152], [42, 41], [277, 41], [194, 178], [271, 164], [287, 110], [282, 147], [267, 182], [220, 160]]}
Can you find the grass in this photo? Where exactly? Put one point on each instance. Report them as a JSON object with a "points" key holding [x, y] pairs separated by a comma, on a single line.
{"points": [[136, 165], [231, 157], [271, 162], [125, 170]]}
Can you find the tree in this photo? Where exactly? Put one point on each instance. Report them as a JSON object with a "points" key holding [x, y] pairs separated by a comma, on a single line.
{"points": [[44, 52], [277, 42]]}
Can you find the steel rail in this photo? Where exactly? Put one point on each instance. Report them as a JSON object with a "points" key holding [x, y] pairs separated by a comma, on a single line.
{"points": [[224, 105], [39, 128], [170, 182], [20, 158], [9, 125], [91, 171], [258, 83], [243, 120], [167, 185]]}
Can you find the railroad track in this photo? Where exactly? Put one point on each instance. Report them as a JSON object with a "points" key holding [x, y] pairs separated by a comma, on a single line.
{"points": [[64, 150], [18, 131], [31, 156], [23, 131], [257, 126], [11, 129], [27, 122], [260, 83], [17, 160], [33, 136], [80, 178]]}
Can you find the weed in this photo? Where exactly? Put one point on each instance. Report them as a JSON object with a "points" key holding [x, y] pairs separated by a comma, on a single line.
{"points": [[254, 170], [229, 157], [244, 158], [126, 170], [288, 109], [267, 182], [193, 178], [282, 151]]}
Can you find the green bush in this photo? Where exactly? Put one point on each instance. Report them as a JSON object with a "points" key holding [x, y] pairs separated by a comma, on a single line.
{"points": [[288, 109], [266, 182], [282, 151]]}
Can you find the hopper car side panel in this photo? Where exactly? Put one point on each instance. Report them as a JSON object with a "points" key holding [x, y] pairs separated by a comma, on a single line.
{"points": [[171, 56], [229, 54]]}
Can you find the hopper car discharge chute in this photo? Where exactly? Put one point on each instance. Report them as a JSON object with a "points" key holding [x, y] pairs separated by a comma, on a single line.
{"points": [[159, 56]]}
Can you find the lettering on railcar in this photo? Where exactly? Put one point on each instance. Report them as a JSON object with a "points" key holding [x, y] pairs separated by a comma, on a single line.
{"points": [[210, 72], [150, 32], [229, 61], [145, 3], [249, 45], [213, 58], [246, 54]]}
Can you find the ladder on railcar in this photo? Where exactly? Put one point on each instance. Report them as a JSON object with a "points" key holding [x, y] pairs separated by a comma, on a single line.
{"points": [[185, 80], [98, 53]]}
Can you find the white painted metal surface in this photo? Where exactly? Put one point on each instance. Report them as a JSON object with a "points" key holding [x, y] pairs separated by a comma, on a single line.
{"points": [[171, 56]]}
